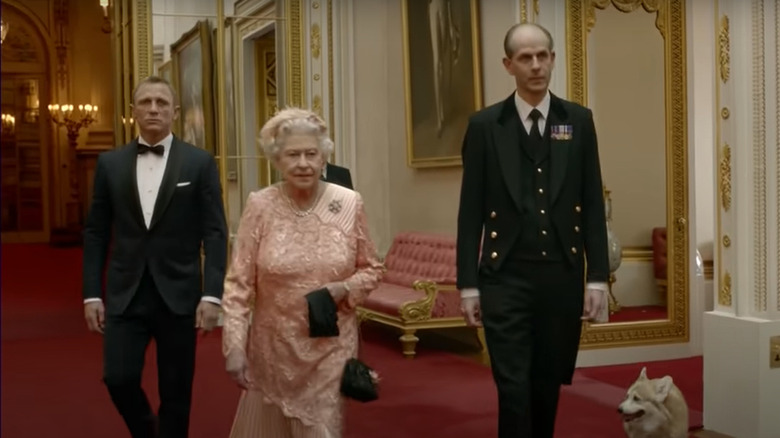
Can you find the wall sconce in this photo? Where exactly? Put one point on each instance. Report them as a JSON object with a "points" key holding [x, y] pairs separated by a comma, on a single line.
{"points": [[9, 123], [74, 120], [106, 28], [4, 29]]}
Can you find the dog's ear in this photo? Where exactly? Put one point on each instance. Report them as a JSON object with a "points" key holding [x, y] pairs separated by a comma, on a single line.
{"points": [[662, 388], [643, 374]]}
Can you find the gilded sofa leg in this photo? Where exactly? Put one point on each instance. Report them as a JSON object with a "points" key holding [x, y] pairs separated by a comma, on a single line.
{"points": [[409, 343]]}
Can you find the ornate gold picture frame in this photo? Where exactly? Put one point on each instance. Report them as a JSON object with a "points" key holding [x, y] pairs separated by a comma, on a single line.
{"points": [[443, 80], [193, 67]]}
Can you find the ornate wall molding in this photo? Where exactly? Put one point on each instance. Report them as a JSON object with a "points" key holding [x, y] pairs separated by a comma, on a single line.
{"points": [[724, 293], [658, 6], [523, 11], [331, 92], [759, 159], [316, 40], [777, 150], [725, 177], [724, 48], [62, 43], [142, 35]]}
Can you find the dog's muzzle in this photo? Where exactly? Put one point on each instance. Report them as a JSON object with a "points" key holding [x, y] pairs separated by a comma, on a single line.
{"points": [[632, 416]]}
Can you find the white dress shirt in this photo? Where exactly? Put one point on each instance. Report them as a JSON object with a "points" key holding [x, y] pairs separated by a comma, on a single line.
{"points": [[149, 171], [524, 110]]}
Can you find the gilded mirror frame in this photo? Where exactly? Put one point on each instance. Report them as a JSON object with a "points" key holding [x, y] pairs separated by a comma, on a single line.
{"points": [[670, 21]]}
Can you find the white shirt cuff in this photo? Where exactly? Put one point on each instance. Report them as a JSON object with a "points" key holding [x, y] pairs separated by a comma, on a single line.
{"points": [[470, 292], [92, 300], [604, 287]]}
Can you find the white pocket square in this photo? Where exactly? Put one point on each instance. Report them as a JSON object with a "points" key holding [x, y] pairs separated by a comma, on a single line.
{"points": [[183, 184]]}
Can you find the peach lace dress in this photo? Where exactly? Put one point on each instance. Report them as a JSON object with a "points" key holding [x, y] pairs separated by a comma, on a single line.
{"points": [[279, 256]]}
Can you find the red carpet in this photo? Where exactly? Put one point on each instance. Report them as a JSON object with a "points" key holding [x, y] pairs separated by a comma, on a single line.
{"points": [[51, 374]]}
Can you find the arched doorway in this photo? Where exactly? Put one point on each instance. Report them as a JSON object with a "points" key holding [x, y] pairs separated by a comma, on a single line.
{"points": [[26, 132]]}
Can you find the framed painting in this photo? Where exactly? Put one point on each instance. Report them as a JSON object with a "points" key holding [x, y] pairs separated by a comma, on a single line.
{"points": [[165, 71], [193, 78], [443, 80]]}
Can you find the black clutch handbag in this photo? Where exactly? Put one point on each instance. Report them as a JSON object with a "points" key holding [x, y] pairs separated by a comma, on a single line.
{"points": [[358, 381]]}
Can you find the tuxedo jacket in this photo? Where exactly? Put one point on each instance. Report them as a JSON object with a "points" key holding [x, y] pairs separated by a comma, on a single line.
{"points": [[188, 215], [338, 175], [490, 198]]}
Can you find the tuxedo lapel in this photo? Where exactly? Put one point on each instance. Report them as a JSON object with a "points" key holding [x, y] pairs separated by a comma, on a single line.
{"points": [[135, 200], [168, 184], [559, 149], [507, 135]]}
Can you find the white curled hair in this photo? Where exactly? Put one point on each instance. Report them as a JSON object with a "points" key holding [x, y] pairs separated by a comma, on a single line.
{"points": [[291, 121]]}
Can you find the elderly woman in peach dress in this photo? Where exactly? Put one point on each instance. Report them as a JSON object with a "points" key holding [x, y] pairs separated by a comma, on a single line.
{"points": [[294, 237]]}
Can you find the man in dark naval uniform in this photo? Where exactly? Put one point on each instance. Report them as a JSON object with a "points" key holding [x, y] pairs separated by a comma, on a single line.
{"points": [[531, 212]]}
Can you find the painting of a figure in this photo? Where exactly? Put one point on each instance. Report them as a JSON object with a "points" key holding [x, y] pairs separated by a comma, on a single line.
{"points": [[443, 79], [193, 73]]}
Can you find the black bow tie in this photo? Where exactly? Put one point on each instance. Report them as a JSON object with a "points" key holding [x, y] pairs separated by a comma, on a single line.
{"points": [[157, 150]]}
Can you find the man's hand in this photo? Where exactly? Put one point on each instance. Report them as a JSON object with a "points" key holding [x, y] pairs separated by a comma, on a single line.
{"points": [[470, 309], [206, 316], [236, 366], [95, 314], [594, 304]]}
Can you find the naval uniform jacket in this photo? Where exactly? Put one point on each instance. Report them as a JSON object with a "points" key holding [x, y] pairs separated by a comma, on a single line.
{"points": [[491, 207]]}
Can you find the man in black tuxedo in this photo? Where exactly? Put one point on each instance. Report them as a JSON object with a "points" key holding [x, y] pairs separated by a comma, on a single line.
{"points": [[337, 175], [531, 196], [156, 202]]}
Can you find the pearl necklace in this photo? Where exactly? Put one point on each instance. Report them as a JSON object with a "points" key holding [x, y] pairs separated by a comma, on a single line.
{"points": [[297, 211]]}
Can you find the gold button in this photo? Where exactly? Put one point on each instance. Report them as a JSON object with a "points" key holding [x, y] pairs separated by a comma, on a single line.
{"points": [[539, 169], [577, 209], [541, 211], [544, 232], [544, 253], [493, 255], [573, 250], [576, 229], [492, 214], [493, 234], [541, 190]]}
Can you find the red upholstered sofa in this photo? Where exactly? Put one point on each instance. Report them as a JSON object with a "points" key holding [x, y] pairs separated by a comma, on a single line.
{"points": [[418, 288], [660, 261]]}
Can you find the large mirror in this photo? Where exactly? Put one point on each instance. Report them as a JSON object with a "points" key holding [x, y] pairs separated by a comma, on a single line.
{"points": [[626, 61]]}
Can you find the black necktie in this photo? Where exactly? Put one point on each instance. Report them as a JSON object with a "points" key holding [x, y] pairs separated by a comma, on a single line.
{"points": [[157, 150], [536, 133]]}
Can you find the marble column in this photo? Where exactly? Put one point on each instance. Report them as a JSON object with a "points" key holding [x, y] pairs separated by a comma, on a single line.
{"points": [[741, 378]]}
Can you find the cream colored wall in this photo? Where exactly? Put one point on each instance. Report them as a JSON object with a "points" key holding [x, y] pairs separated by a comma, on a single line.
{"points": [[400, 198], [626, 94]]}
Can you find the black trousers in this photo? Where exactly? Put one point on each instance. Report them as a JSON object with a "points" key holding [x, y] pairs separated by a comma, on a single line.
{"points": [[531, 314], [126, 339]]}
